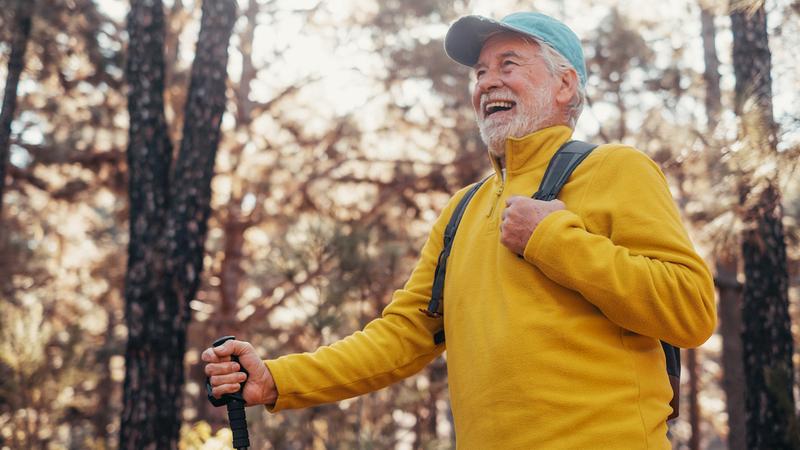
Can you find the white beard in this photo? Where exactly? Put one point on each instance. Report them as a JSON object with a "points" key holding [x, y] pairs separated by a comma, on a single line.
{"points": [[527, 118]]}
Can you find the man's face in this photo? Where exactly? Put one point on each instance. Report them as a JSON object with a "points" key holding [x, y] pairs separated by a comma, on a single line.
{"points": [[514, 91]]}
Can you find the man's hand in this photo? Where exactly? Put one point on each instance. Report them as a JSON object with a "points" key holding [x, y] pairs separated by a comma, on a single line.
{"points": [[224, 374], [520, 218]]}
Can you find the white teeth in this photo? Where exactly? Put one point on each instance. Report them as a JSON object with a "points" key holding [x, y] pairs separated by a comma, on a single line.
{"points": [[497, 104]]}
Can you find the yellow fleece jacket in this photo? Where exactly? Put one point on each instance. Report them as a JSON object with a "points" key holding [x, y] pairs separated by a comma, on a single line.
{"points": [[559, 350]]}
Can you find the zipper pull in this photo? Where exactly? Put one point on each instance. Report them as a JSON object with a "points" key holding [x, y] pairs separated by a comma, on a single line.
{"points": [[498, 193]]}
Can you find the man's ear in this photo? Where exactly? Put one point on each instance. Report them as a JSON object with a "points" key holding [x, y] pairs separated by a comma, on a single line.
{"points": [[568, 87]]}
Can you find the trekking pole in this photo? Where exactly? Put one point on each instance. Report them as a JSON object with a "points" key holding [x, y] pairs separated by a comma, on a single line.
{"points": [[235, 404]]}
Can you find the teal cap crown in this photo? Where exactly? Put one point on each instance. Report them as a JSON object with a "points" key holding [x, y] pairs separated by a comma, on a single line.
{"points": [[466, 37]]}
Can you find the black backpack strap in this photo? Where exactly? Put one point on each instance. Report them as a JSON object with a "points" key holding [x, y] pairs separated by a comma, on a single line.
{"points": [[435, 307], [561, 166], [673, 357]]}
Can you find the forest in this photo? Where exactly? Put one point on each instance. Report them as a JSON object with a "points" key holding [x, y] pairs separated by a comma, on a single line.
{"points": [[174, 171]]}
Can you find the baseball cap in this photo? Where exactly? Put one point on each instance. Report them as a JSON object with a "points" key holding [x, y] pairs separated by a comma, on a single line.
{"points": [[466, 37]]}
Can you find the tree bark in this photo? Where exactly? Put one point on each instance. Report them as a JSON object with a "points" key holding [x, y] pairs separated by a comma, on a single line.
{"points": [[16, 63], [726, 260], [711, 72], [150, 400], [169, 208], [752, 65], [730, 328], [767, 338], [694, 405]]}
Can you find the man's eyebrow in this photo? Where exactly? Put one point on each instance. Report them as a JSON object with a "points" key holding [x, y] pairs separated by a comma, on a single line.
{"points": [[506, 54], [478, 66]]}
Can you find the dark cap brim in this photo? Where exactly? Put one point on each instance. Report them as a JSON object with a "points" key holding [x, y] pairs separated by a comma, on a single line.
{"points": [[465, 38]]}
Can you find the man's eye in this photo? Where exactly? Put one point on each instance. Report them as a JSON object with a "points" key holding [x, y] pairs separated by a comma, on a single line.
{"points": [[508, 63], [479, 73]]}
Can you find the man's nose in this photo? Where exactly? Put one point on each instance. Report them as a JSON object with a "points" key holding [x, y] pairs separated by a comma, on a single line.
{"points": [[489, 80]]}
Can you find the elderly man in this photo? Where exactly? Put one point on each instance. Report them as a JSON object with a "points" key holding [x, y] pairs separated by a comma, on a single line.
{"points": [[554, 309]]}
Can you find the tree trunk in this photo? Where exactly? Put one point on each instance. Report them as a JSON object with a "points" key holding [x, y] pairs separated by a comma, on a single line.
{"points": [[730, 328], [169, 208], [235, 222], [711, 71], [694, 406], [726, 260], [752, 64], [150, 415], [16, 63], [767, 338]]}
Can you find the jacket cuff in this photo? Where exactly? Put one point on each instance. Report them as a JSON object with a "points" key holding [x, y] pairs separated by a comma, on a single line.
{"points": [[276, 370], [546, 233]]}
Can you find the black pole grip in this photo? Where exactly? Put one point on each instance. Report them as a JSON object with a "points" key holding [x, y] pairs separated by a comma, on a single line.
{"points": [[235, 405], [238, 422]]}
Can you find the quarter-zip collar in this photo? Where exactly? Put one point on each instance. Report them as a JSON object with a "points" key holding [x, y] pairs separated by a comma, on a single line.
{"points": [[531, 151]]}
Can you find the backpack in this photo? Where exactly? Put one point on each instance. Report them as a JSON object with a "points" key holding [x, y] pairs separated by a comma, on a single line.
{"points": [[561, 166]]}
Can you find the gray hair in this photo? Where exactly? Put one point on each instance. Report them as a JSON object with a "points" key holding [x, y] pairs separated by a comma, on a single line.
{"points": [[557, 65]]}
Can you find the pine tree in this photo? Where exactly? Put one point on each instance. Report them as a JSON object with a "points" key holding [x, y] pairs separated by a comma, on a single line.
{"points": [[767, 337], [16, 62], [169, 209]]}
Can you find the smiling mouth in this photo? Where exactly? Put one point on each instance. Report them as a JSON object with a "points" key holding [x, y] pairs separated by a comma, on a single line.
{"points": [[493, 107]]}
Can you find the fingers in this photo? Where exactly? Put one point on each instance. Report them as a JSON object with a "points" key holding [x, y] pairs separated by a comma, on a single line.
{"points": [[221, 368], [224, 351], [229, 388], [224, 378], [209, 356], [514, 199], [519, 205], [232, 347], [510, 202], [229, 378], [217, 354]]}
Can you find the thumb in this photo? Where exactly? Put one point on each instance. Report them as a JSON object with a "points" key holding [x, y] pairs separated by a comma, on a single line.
{"points": [[241, 348], [232, 347], [246, 353], [223, 350]]}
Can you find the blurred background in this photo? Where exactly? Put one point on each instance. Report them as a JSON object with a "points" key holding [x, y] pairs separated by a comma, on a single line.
{"points": [[345, 130]]}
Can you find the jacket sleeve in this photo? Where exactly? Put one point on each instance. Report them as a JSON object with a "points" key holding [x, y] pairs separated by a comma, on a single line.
{"points": [[627, 252], [388, 349]]}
